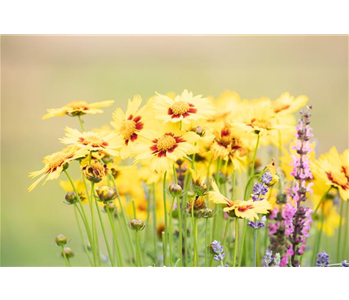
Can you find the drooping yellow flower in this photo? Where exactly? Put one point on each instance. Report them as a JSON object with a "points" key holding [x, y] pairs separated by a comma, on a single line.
{"points": [[163, 147], [54, 165], [77, 108], [288, 104], [184, 107], [129, 125], [229, 146], [332, 169], [241, 209], [93, 141]]}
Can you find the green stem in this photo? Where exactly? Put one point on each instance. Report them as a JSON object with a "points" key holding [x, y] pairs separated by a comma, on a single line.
{"points": [[206, 242], [318, 240], [254, 156], [66, 260], [154, 226], [81, 123], [340, 230], [171, 233], [139, 255], [94, 228], [321, 201], [105, 236], [346, 233], [244, 230], [123, 215], [236, 240], [254, 247], [165, 213], [76, 209], [116, 240], [164, 250], [180, 229], [196, 254]]}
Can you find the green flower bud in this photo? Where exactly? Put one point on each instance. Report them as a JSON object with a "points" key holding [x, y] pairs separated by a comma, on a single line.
{"points": [[70, 198], [175, 189], [106, 193], [60, 240], [68, 252], [109, 206], [137, 224]]}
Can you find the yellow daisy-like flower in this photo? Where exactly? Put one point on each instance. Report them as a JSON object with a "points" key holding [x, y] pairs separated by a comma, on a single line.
{"points": [[242, 209], [54, 165], [288, 104], [77, 108], [129, 125], [228, 145], [163, 147], [332, 169], [185, 108], [258, 118], [93, 141]]}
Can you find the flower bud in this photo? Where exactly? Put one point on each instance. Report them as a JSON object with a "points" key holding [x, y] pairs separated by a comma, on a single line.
{"points": [[106, 193], [109, 206], [95, 172], [199, 131], [175, 189], [70, 198], [68, 252], [137, 224], [207, 213], [60, 240], [108, 159]]}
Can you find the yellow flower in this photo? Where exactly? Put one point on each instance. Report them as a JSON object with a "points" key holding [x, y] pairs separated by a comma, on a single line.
{"points": [[288, 104], [258, 118], [328, 209], [77, 108], [185, 108], [93, 141], [241, 209], [54, 165], [130, 125], [332, 169], [163, 147], [228, 145]]}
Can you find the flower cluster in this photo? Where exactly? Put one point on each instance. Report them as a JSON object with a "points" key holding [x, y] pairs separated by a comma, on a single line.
{"points": [[217, 250]]}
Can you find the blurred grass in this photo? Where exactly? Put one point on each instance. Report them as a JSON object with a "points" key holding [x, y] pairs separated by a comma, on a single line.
{"points": [[40, 72]]}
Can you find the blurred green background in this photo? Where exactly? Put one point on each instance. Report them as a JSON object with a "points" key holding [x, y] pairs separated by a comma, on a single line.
{"points": [[40, 72]]}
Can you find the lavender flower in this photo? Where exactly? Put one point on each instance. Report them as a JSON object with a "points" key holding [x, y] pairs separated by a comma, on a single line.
{"points": [[345, 264], [277, 260], [322, 259], [268, 259], [266, 178], [256, 224], [217, 250]]}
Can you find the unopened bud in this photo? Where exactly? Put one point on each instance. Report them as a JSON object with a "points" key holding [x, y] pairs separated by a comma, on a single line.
{"points": [[70, 198], [106, 193], [175, 189], [60, 240], [137, 224], [95, 172], [67, 252], [109, 206]]}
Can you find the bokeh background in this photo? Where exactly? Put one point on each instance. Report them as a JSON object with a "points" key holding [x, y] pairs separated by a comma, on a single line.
{"points": [[40, 72]]}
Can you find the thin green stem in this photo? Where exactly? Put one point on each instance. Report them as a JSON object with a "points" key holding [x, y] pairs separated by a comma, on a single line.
{"points": [[196, 254], [110, 253], [123, 215], [165, 213], [116, 240], [244, 230], [340, 230], [206, 242], [76, 211], [318, 239], [94, 228], [254, 156], [236, 241], [180, 230], [81, 123], [66, 259], [254, 247], [321, 201], [154, 225], [171, 233]]}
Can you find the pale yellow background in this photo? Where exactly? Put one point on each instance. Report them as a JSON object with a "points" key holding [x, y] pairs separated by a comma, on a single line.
{"points": [[40, 72]]}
